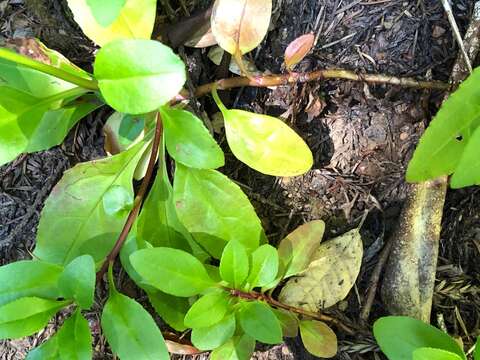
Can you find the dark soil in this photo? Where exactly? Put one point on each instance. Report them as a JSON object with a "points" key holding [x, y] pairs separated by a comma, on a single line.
{"points": [[362, 138]]}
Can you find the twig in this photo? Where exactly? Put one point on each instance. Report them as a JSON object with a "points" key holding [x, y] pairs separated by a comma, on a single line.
{"points": [[137, 203]]}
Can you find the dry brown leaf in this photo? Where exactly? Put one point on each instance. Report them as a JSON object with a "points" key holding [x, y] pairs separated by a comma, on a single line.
{"points": [[181, 349], [298, 49], [329, 277]]}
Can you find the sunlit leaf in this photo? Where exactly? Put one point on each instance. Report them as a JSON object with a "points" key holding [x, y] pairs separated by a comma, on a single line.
{"points": [[208, 203], [258, 320], [265, 143], [297, 248], [331, 274], [434, 354], [467, 172], [264, 267], [288, 321], [208, 310], [318, 338], [234, 264], [105, 12], [298, 49], [211, 337], [73, 221], [237, 348], [132, 75], [78, 281], [135, 20]]}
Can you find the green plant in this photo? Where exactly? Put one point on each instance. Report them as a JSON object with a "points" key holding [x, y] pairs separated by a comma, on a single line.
{"points": [[404, 338]]}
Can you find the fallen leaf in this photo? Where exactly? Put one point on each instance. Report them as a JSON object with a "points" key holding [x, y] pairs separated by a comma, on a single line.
{"points": [[181, 349]]}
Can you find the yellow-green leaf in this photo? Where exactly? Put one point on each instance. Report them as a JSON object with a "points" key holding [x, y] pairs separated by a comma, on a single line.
{"points": [[318, 338]]}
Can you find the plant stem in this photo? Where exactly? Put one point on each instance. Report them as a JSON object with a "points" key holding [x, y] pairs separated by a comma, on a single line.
{"points": [[132, 216], [292, 78], [48, 69], [252, 295]]}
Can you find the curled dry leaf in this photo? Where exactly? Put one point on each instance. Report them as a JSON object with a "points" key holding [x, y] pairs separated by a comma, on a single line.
{"points": [[330, 275], [298, 49], [181, 349]]}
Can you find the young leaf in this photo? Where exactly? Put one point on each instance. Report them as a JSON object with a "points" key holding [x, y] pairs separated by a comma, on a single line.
{"points": [[134, 21], [207, 202], [414, 334], [122, 131], [297, 248], [264, 266], [288, 321], [73, 220], [78, 281], [188, 140], [25, 316], [330, 275], [75, 339], [105, 11], [258, 320], [240, 25], [298, 49], [132, 75], [445, 139], [265, 143], [211, 337], [234, 264], [467, 172], [237, 348], [130, 330], [208, 310], [434, 354], [173, 271], [318, 338], [29, 278], [172, 309]]}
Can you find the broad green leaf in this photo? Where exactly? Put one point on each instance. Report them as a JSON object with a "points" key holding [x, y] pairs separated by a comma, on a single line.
{"points": [[73, 221], [135, 20], [138, 76], [258, 320], [211, 337], [122, 131], [476, 353], [265, 143], [75, 339], [26, 316], [434, 354], [414, 334], [288, 321], [172, 309], [117, 201], [208, 310], [208, 203], [29, 278], [237, 348], [264, 267], [78, 281], [318, 338], [172, 271], [188, 140], [467, 172], [29, 124], [330, 275], [105, 12], [234, 264], [47, 351], [447, 136], [131, 331], [297, 248], [240, 25]]}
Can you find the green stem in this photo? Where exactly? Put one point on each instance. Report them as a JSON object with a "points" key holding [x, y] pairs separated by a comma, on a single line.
{"points": [[217, 99], [47, 69]]}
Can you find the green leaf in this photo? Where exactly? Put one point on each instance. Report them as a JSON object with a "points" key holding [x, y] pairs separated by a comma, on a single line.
{"points": [[208, 310], [117, 201], [172, 271], [138, 76], [467, 172], [211, 337], [265, 143], [172, 309], [434, 354], [130, 330], [26, 316], [134, 21], [288, 321], [237, 348], [208, 203], [264, 266], [75, 339], [414, 334], [49, 350], [476, 353], [234, 264], [29, 278], [73, 221], [258, 320], [297, 248], [188, 140], [447, 136], [318, 338], [122, 131], [78, 281], [105, 11], [29, 124]]}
